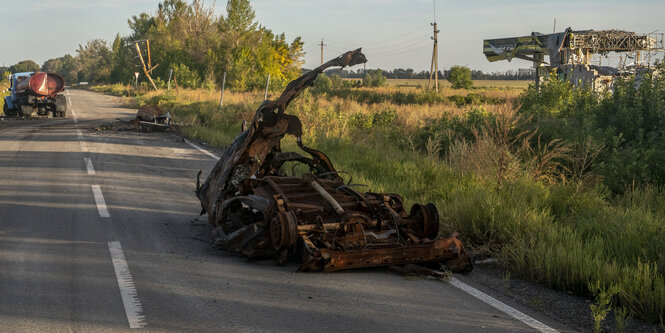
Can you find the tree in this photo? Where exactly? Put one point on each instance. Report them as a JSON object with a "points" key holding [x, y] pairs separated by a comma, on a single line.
{"points": [[460, 77], [94, 61], [65, 66], [123, 61], [374, 78], [24, 66]]}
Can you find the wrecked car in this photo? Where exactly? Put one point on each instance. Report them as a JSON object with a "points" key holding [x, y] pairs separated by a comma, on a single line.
{"points": [[256, 209]]}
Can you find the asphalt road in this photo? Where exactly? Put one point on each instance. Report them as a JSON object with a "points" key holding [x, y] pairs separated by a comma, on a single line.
{"points": [[99, 231]]}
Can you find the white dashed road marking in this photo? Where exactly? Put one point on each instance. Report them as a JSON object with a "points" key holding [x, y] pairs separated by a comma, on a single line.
{"points": [[99, 201], [130, 299], [202, 150], [540, 327], [88, 166]]}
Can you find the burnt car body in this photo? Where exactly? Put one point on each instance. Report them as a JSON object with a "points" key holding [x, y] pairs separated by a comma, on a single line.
{"points": [[258, 211]]}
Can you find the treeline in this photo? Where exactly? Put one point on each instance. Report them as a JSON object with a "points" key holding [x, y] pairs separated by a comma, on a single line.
{"points": [[409, 73], [195, 43]]}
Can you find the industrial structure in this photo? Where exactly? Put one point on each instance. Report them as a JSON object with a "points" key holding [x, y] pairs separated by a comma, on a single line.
{"points": [[577, 55]]}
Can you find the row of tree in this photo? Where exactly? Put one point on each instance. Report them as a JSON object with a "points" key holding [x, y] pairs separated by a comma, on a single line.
{"points": [[190, 39], [409, 73], [200, 47]]}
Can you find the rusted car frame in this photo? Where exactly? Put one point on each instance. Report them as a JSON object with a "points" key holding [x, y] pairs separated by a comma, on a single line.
{"points": [[258, 211]]}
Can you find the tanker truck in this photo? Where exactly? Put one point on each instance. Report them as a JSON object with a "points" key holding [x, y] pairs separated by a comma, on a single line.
{"points": [[36, 94]]}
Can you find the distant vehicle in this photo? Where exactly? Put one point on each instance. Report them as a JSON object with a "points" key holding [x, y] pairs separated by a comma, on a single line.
{"points": [[36, 94]]}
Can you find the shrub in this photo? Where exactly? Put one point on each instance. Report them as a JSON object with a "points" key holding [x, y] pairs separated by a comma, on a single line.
{"points": [[460, 77]]}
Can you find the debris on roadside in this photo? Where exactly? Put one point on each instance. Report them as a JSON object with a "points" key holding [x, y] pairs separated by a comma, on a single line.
{"points": [[149, 118], [257, 210], [152, 118]]}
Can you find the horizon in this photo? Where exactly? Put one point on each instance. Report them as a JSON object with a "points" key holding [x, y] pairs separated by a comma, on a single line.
{"points": [[387, 45]]}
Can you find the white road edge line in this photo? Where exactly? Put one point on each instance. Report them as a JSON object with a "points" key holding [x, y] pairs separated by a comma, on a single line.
{"points": [[79, 135], [88, 166], [130, 299], [99, 201], [202, 150], [502, 306]]}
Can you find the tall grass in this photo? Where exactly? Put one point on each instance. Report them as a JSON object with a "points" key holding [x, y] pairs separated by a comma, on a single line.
{"points": [[489, 183]]}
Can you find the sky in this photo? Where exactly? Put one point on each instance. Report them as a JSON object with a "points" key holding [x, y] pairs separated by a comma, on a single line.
{"points": [[392, 33]]}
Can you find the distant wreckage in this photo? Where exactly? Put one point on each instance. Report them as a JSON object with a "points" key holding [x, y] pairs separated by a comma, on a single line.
{"points": [[571, 54], [259, 211]]}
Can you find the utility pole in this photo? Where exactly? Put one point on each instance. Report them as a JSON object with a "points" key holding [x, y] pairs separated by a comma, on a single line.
{"points": [[434, 68], [221, 98], [554, 30], [265, 97], [322, 45], [147, 68]]}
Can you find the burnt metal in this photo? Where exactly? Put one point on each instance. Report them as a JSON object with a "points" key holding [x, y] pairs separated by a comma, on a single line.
{"points": [[259, 211]]}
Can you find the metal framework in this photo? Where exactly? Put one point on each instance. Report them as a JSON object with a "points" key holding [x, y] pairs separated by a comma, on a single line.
{"points": [[606, 41], [572, 47], [570, 53]]}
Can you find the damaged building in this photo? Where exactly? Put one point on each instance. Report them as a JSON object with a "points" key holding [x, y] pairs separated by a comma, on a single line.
{"points": [[576, 56]]}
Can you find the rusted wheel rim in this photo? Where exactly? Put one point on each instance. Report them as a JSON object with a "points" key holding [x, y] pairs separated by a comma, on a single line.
{"points": [[283, 230], [432, 223], [428, 217]]}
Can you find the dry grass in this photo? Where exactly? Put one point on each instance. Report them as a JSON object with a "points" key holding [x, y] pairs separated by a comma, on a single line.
{"points": [[499, 195], [444, 84]]}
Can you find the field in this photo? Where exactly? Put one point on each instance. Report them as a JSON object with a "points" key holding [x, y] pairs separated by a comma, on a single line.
{"points": [[510, 168], [498, 84]]}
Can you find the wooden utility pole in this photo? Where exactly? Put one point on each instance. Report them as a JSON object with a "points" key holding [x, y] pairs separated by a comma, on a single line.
{"points": [[265, 97], [322, 45], [434, 68], [146, 68], [221, 98]]}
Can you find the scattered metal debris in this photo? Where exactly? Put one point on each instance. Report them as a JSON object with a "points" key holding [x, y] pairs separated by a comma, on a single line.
{"points": [[152, 118], [258, 211]]}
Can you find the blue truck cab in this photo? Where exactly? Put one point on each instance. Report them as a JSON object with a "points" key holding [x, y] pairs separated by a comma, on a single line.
{"points": [[10, 101]]}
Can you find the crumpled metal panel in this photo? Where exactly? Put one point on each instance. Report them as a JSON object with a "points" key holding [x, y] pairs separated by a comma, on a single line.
{"points": [[258, 211]]}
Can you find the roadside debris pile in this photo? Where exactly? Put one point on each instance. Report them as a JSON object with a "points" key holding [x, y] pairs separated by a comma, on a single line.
{"points": [[153, 114], [258, 211], [152, 118]]}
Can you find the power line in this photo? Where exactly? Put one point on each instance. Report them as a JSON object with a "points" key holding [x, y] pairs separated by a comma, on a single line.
{"points": [[414, 43], [364, 44], [411, 50]]}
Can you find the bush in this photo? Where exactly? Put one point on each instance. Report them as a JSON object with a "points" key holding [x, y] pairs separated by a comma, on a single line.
{"points": [[374, 78], [185, 77], [628, 126], [460, 77]]}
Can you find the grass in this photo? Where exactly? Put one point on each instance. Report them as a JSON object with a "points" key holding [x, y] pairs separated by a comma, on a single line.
{"points": [[565, 235], [444, 84]]}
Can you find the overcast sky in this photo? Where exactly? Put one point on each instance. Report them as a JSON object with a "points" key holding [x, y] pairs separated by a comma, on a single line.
{"points": [[393, 33]]}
